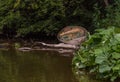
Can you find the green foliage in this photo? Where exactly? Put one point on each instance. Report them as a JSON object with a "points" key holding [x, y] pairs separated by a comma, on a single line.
{"points": [[22, 17], [109, 16], [45, 16], [100, 54], [27, 16]]}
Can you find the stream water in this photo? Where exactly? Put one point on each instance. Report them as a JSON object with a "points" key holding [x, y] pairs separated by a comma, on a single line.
{"points": [[36, 66]]}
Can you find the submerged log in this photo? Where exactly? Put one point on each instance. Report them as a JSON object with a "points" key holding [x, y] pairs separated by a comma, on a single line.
{"points": [[60, 45], [73, 44], [62, 51], [57, 50], [24, 49], [71, 38]]}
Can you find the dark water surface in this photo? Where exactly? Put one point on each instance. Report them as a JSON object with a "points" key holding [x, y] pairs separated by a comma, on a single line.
{"points": [[35, 66]]}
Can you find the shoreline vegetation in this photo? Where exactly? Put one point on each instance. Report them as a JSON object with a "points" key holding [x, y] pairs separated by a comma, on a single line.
{"points": [[23, 18], [27, 21]]}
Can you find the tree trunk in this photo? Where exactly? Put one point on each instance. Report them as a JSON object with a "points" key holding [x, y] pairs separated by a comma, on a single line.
{"points": [[106, 2]]}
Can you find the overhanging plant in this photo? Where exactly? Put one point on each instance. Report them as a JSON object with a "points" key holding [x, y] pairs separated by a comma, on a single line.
{"points": [[100, 54]]}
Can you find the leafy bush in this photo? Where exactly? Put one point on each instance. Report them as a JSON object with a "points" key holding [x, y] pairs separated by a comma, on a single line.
{"points": [[45, 16], [25, 16], [109, 16], [22, 17], [100, 54]]}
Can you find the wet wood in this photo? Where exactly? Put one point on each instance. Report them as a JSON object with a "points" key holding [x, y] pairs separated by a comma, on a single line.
{"points": [[60, 45], [76, 34], [60, 50], [73, 44]]}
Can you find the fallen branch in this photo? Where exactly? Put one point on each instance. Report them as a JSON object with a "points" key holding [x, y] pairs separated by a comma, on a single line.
{"points": [[47, 49], [73, 44], [60, 45]]}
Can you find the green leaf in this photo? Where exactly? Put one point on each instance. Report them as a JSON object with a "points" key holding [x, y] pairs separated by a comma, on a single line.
{"points": [[113, 78], [100, 58], [116, 55], [98, 51], [117, 37], [116, 67], [104, 68]]}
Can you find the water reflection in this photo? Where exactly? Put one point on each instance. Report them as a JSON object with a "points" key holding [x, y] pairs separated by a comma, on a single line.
{"points": [[35, 66], [83, 77]]}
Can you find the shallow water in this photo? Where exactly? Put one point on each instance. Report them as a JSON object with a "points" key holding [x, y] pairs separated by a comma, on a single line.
{"points": [[38, 66], [35, 66]]}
